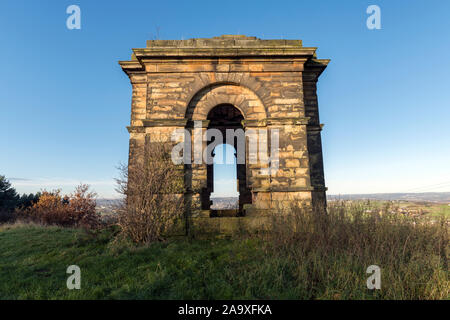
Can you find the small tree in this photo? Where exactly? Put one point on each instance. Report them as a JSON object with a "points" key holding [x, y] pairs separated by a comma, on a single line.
{"points": [[153, 196], [82, 205], [8, 195]]}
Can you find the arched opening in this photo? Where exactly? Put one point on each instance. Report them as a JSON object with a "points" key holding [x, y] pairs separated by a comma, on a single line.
{"points": [[228, 120]]}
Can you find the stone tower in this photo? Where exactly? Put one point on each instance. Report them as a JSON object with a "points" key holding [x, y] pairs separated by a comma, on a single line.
{"points": [[233, 81]]}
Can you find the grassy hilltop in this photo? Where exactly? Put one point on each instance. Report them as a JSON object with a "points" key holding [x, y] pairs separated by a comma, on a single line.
{"points": [[311, 262]]}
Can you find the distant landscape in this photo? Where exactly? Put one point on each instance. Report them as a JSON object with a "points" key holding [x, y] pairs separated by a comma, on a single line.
{"points": [[438, 197], [223, 203], [107, 206]]}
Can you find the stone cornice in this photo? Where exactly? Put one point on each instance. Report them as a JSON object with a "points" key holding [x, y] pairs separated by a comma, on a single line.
{"points": [[276, 121], [191, 123], [169, 52], [290, 189], [316, 66], [136, 129], [131, 66], [226, 46], [164, 123], [315, 127], [254, 123], [245, 123], [288, 121]]}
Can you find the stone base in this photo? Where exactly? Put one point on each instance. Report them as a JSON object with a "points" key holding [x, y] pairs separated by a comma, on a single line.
{"points": [[229, 225], [227, 222]]}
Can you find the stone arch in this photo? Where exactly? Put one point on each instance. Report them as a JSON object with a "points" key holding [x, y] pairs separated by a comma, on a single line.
{"points": [[241, 97], [243, 79], [177, 81]]}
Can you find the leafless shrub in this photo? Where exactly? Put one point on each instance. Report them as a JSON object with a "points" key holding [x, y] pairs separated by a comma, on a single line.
{"points": [[153, 196]]}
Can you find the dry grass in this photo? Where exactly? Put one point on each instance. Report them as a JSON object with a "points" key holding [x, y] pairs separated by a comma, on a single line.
{"points": [[19, 225], [327, 253]]}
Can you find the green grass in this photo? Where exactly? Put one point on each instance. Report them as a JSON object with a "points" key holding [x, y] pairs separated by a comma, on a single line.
{"points": [[440, 210], [34, 259]]}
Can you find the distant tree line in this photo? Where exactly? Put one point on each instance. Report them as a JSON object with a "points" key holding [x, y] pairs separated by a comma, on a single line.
{"points": [[10, 200]]}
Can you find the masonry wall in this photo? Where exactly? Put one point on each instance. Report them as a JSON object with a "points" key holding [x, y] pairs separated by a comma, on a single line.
{"points": [[271, 93]]}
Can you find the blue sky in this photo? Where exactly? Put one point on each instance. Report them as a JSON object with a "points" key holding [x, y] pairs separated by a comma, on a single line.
{"points": [[225, 175], [384, 99]]}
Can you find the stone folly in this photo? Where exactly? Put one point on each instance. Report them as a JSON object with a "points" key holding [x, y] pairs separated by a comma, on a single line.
{"points": [[233, 82]]}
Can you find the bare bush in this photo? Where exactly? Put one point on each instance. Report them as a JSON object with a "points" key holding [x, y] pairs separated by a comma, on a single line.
{"points": [[153, 191]]}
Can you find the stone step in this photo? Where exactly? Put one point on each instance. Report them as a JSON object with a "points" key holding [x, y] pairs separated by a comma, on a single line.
{"points": [[225, 213]]}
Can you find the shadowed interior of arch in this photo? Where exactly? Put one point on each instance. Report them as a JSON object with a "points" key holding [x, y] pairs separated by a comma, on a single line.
{"points": [[224, 117]]}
